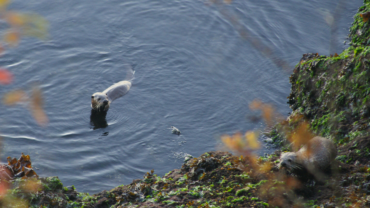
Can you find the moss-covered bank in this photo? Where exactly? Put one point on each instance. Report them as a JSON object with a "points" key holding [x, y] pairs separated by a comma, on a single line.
{"points": [[331, 93], [215, 179]]}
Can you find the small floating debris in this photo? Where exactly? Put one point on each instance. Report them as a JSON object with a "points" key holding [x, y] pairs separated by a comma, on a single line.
{"points": [[175, 130]]}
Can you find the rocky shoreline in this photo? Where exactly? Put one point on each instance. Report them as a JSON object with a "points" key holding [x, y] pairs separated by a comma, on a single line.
{"points": [[331, 94]]}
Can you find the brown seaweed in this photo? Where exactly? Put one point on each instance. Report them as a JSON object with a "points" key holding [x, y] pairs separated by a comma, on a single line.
{"points": [[20, 168], [365, 16]]}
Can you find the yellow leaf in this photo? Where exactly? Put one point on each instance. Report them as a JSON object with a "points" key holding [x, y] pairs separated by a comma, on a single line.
{"points": [[12, 38], [14, 97], [265, 167], [252, 140], [234, 143], [4, 3], [32, 186], [35, 26]]}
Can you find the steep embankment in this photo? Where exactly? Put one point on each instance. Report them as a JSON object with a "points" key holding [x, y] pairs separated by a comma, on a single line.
{"points": [[333, 92]]}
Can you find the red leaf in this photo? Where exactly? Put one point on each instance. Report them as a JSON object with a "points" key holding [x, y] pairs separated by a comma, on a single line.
{"points": [[5, 77]]}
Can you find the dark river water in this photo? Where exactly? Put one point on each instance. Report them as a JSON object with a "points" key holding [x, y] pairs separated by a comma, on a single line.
{"points": [[193, 71]]}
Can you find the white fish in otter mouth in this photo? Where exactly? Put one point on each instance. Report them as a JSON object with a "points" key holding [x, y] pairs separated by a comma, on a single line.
{"points": [[100, 101]]}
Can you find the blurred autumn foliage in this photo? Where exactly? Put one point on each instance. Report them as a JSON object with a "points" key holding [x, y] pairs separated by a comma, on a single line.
{"points": [[22, 24], [275, 182], [295, 129]]}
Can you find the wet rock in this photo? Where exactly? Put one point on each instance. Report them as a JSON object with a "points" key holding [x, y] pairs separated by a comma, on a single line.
{"points": [[174, 174], [187, 158], [102, 202], [329, 205], [368, 199], [196, 166], [366, 188], [269, 140]]}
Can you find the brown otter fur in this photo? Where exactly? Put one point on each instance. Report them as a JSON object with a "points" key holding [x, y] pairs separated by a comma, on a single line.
{"points": [[313, 159]]}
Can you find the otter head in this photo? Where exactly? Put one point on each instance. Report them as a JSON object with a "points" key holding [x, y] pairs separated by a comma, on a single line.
{"points": [[290, 162], [99, 102]]}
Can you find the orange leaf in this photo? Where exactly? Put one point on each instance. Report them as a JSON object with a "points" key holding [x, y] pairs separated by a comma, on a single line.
{"points": [[267, 110], [1, 49], [12, 162], [292, 183], [12, 38], [267, 113], [301, 136], [40, 116], [36, 98], [37, 107], [3, 188], [253, 160], [265, 167], [256, 105], [15, 19], [5, 77], [14, 97]]}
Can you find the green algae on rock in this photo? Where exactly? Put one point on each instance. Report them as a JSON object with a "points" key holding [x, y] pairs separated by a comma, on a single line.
{"points": [[360, 30], [333, 93]]}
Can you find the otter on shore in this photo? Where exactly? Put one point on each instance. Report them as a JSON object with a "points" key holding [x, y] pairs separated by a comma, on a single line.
{"points": [[100, 101], [313, 159]]}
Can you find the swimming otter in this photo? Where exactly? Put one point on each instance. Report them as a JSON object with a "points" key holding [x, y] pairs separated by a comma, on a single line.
{"points": [[100, 101], [97, 119], [312, 161]]}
